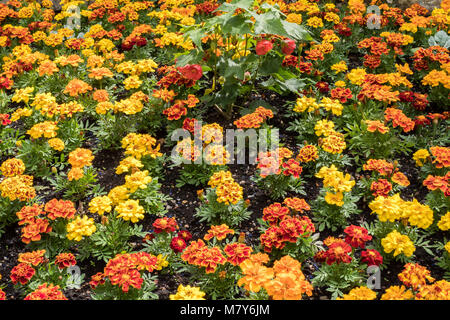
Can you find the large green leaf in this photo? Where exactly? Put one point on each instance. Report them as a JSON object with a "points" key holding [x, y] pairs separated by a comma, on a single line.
{"points": [[296, 31], [237, 25], [233, 5]]}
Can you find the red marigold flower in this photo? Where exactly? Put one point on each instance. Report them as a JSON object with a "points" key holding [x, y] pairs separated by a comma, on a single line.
{"points": [[263, 47], [371, 257], [2, 295], [176, 111], [191, 71], [323, 86], [210, 258], [341, 94], [46, 292], [97, 279], [4, 119], [191, 253], [320, 256], [33, 230], [60, 209], [28, 213], [288, 46], [272, 238], [165, 225], [381, 187], [357, 236], [178, 244], [237, 253], [22, 273], [295, 227], [186, 235], [436, 182], [338, 253], [65, 260], [292, 167], [274, 213]]}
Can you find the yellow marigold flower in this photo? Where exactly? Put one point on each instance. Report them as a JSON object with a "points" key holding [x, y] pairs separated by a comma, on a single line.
{"points": [[324, 127], [315, 22], [419, 215], [21, 112], [414, 275], [81, 226], [420, 156], [447, 247], [130, 210], [161, 262], [398, 243], [118, 194], [335, 198], [360, 293], [146, 65], [294, 18], [137, 180], [444, 222], [12, 167], [188, 293], [22, 95], [104, 107], [304, 103], [397, 293], [403, 68], [100, 205], [332, 105], [127, 164], [440, 290], [56, 143], [341, 66], [334, 143], [434, 78], [356, 76], [388, 208], [46, 129], [132, 82]]}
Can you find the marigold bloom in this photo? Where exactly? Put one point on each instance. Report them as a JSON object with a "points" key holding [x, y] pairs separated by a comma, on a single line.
{"points": [[415, 275], [371, 257], [22, 273], [165, 225], [255, 275], [307, 153], [444, 222], [12, 167], [46, 292], [219, 232], [33, 258], [65, 260], [397, 293], [381, 187], [237, 253], [187, 293], [338, 253], [357, 236], [297, 204], [81, 226], [33, 230], [130, 210], [76, 87], [398, 243], [440, 290], [100, 205], [80, 158], [360, 293], [178, 244], [60, 209], [376, 125], [442, 156], [420, 156]]}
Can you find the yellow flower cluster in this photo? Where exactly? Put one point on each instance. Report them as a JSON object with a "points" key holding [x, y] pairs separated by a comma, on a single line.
{"points": [[130, 210], [79, 227], [398, 243], [444, 222], [137, 180], [140, 145], [100, 205], [437, 77], [12, 167], [420, 156], [359, 293], [309, 104], [46, 129], [127, 164], [227, 190], [395, 208], [188, 293], [338, 182]]}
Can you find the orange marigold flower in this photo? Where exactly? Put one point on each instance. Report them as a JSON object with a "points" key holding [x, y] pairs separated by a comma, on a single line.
{"points": [[415, 275], [97, 279], [381, 187], [34, 258], [81, 157], [442, 155], [383, 167], [76, 87], [46, 292], [275, 213], [32, 231], [60, 209], [338, 253], [376, 125], [165, 225], [219, 232], [436, 182], [100, 95], [255, 275], [297, 204], [399, 178], [28, 213], [307, 153]]}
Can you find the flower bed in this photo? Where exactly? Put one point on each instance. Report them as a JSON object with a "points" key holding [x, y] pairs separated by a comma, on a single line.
{"points": [[186, 150]]}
